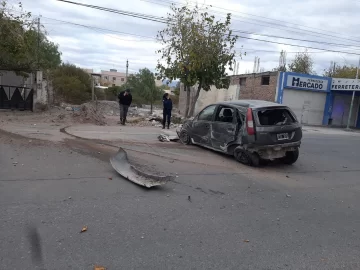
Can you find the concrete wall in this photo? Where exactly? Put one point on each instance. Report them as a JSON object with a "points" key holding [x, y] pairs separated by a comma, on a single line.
{"points": [[216, 95], [182, 98]]}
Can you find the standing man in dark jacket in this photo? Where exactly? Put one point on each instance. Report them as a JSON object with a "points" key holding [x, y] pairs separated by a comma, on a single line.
{"points": [[167, 103], [125, 99]]}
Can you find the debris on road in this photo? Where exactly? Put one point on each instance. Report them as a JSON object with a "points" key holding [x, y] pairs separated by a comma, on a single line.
{"points": [[167, 136], [189, 198], [121, 164], [288, 196], [110, 178], [163, 138], [99, 267], [84, 229], [246, 241]]}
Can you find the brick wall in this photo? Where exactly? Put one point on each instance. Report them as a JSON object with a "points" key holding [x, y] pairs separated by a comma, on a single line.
{"points": [[253, 87]]}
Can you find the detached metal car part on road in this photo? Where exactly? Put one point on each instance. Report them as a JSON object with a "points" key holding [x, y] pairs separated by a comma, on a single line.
{"points": [[254, 131]]}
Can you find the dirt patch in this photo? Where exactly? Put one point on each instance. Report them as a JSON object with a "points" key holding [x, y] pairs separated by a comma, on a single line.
{"points": [[11, 138]]}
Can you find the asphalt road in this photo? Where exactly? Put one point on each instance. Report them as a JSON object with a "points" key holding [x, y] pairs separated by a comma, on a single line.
{"points": [[227, 216]]}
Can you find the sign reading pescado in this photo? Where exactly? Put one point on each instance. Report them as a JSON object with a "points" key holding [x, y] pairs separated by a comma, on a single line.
{"points": [[306, 83], [345, 84]]}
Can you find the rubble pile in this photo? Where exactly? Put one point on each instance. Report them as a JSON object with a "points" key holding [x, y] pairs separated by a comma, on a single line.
{"points": [[89, 113]]}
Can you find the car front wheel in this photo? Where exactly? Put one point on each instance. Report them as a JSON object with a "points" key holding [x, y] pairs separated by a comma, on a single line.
{"points": [[291, 157], [184, 137]]}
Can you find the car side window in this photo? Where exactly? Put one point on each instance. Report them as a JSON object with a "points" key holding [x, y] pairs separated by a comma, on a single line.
{"points": [[225, 114], [207, 113]]}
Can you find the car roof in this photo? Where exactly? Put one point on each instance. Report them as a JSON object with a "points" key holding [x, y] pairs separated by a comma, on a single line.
{"points": [[249, 103]]}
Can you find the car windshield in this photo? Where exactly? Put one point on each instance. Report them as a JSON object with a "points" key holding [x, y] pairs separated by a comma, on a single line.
{"points": [[275, 117]]}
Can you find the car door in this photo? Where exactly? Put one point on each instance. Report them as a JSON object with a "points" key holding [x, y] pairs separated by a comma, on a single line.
{"points": [[202, 126], [224, 127]]}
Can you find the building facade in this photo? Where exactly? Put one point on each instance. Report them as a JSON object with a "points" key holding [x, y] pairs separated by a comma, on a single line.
{"points": [[315, 100], [320, 100], [245, 86], [112, 78]]}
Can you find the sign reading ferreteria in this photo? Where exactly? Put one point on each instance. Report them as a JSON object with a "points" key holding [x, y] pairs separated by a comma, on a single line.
{"points": [[345, 84], [306, 82]]}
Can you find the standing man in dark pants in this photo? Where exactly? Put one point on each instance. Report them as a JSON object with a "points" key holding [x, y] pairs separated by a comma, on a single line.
{"points": [[125, 99], [167, 103]]}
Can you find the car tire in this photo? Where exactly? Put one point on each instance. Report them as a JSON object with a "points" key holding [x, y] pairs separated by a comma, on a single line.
{"points": [[246, 158], [264, 162], [291, 157], [185, 137]]}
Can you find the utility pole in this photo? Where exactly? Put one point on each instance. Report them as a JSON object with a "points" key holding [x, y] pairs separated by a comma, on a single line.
{"points": [[38, 43], [92, 88], [352, 99], [127, 69]]}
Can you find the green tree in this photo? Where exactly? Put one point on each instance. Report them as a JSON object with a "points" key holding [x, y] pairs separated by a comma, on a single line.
{"points": [[303, 63], [112, 92], [164, 87], [71, 84], [177, 89], [341, 71], [142, 85], [21, 47], [197, 49]]}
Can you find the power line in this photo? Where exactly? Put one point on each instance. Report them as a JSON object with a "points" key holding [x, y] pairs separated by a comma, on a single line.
{"points": [[296, 39], [121, 12], [294, 45], [143, 16], [110, 30], [262, 17], [99, 28], [308, 32], [254, 51]]}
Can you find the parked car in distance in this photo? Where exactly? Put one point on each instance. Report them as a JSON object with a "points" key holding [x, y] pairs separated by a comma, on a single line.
{"points": [[253, 131]]}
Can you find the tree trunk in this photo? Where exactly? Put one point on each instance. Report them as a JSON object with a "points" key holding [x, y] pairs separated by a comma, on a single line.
{"points": [[151, 107], [187, 100], [193, 101]]}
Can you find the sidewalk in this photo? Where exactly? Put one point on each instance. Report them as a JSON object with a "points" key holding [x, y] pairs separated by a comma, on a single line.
{"points": [[116, 133], [329, 131], [41, 131]]}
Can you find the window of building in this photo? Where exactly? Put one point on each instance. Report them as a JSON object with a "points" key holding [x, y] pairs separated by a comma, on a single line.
{"points": [[114, 78], [105, 77], [265, 80], [122, 79], [242, 81]]}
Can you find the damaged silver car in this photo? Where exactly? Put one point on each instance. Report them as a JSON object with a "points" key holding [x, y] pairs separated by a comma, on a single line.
{"points": [[253, 131]]}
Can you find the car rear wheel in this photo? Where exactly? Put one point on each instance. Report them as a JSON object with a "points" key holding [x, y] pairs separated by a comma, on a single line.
{"points": [[185, 137], [247, 158], [291, 157]]}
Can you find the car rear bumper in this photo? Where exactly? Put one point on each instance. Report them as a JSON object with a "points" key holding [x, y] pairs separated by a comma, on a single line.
{"points": [[274, 151], [274, 146]]}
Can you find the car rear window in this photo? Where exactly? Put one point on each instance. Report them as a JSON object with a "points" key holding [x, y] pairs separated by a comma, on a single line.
{"points": [[275, 117]]}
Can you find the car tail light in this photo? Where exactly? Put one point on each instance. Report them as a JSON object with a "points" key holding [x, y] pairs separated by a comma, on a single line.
{"points": [[250, 122]]}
